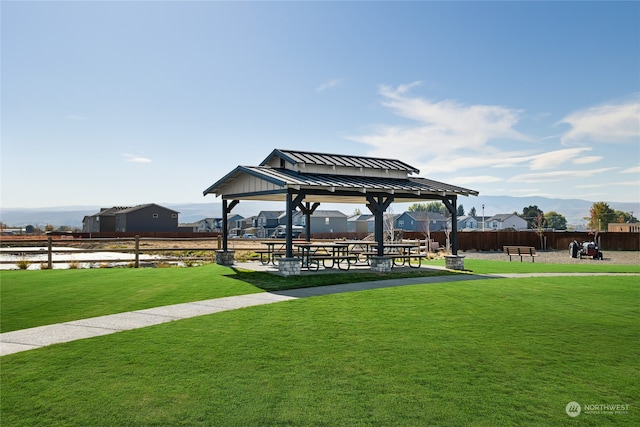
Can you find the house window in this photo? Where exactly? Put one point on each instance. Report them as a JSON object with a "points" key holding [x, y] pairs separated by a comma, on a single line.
{"points": [[400, 222], [155, 215], [174, 215], [326, 221]]}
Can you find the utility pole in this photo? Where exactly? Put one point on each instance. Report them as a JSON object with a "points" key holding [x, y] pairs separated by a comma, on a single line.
{"points": [[483, 217]]}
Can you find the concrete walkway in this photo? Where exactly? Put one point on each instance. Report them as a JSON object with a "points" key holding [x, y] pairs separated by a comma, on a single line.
{"points": [[32, 338]]}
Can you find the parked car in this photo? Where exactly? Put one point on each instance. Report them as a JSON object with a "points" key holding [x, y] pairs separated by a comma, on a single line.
{"points": [[249, 236]]}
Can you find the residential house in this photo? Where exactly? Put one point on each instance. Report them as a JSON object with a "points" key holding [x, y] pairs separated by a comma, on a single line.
{"points": [[624, 227], [266, 222], [213, 225], [103, 221], [242, 225], [361, 223], [322, 221], [469, 223], [421, 221], [505, 221], [146, 218]]}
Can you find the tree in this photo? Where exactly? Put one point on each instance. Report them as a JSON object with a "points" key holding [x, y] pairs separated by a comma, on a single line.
{"points": [[530, 213], [472, 212], [555, 220], [437, 207], [625, 217], [539, 224], [357, 211], [389, 226], [600, 215], [460, 211]]}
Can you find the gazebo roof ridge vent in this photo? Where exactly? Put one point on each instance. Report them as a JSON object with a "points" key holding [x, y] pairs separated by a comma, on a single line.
{"points": [[327, 163]]}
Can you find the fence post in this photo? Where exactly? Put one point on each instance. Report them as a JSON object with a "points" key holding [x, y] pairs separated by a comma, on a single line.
{"points": [[137, 262], [219, 242], [49, 253]]}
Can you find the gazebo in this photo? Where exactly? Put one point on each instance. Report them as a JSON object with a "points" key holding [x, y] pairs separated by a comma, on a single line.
{"points": [[304, 180]]}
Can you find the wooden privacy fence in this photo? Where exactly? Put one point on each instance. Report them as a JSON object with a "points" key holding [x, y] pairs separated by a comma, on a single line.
{"points": [[129, 245]]}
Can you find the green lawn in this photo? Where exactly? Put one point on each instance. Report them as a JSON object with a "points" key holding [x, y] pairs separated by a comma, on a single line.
{"points": [[481, 266], [499, 352], [43, 297]]}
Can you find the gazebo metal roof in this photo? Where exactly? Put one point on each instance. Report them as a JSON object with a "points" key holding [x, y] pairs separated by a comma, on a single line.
{"points": [[332, 188]]}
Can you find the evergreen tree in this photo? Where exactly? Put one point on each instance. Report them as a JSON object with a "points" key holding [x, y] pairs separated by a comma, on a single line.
{"points": [[555, 220], [530, 214]]}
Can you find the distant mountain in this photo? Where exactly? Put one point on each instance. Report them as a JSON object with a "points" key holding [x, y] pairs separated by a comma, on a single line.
{"points": [[575, 210]]}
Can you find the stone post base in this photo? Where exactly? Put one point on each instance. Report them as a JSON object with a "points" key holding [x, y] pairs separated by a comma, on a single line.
{"points": [[380, 264], [289, 267], [225, 257], [454, 262]]}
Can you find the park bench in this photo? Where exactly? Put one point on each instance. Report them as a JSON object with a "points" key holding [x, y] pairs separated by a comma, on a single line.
{"points": [[521, 251]]}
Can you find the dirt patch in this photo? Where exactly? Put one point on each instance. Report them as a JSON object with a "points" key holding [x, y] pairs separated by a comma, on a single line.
{"points": [[562, 257]]}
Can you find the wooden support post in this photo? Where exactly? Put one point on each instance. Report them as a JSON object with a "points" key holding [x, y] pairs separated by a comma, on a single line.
{"points": [[308, 210], [49, 253], [452, 207], [226, 210], [137, 252], [378, 206]]}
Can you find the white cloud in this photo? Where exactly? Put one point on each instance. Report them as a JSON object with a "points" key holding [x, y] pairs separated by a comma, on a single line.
{"points": [[605, 123], [609, 184], [557, 175], [136, 159], [586, 160], [635, 169], [486, 179], [75, 117], [552, 159], [449, 136], [328, 85]]}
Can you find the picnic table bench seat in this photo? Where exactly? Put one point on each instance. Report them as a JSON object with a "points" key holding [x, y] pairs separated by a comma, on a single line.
{"points": [[315, 259], [521, 251], [267, 256], [406, 257]]}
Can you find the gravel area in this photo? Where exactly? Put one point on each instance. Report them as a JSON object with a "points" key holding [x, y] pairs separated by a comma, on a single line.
{"points": [[562, 257]]}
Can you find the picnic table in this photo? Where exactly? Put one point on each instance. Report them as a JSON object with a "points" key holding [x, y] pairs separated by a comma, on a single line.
{"points": [[312, 254], [276, 248], [401, 253]]}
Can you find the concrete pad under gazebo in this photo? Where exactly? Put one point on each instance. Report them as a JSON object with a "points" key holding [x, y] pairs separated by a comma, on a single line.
{"points": [[304, 180]]}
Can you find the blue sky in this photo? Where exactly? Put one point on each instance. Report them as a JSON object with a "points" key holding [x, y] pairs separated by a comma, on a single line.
{"points": [[121, 103]]}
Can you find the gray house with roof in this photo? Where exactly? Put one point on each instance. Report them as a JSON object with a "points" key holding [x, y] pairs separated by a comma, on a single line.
{"points": [[146, 218], [103, 221], [322, 221], [360, 223], [421, 221]]}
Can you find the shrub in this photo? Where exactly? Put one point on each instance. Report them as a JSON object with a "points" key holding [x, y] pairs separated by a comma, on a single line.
{"points": [[23, 264]]}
